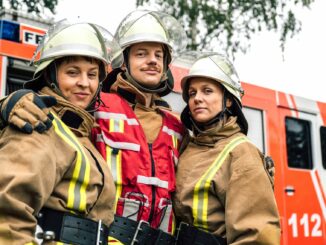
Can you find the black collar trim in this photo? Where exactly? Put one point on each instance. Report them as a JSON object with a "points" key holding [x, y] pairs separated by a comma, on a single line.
{"points": [[129, 96]]}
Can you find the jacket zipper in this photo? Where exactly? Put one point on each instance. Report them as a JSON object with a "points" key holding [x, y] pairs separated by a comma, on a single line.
{"points": [[151, 214]]}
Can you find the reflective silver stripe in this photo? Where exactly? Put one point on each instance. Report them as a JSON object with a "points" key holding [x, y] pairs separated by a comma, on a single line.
{"points": [[152, 181], [60, 50], [118, 145], [164, 226], [166, 214], [116, 126], [114, 166], [131, 208], [139, 196], [115, 116], [171, 132], [145, 37]]}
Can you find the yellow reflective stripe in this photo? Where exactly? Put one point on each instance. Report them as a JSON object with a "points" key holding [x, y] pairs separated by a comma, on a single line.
{"points": [[200, 199], [81, 173], [173, 224], [116, 125], [111, 125], [114, 159], [121, 125], [175, 141], [114, 162], [57, 243], [112, 240]]}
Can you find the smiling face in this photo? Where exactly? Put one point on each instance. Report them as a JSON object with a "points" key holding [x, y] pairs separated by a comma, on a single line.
{"points": [[146, 62], [78, 80], [205, 99]]}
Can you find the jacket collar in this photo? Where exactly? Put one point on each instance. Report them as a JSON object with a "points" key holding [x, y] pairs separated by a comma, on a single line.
{"points": [[220, 130], [134, 96], [76, 118]]}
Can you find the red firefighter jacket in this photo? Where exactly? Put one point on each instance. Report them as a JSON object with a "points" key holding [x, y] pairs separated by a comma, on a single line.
{"points": [[143, 173]]}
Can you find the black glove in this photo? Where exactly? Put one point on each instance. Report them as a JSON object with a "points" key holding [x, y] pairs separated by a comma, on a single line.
{"points": [[27, 111]]}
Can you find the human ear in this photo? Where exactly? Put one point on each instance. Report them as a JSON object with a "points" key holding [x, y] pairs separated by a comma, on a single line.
{"points": [[123, 66], [228, 102]]}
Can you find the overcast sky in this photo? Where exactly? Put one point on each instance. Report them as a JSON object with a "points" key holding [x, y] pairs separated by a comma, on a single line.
{"points": [[300, 73]]}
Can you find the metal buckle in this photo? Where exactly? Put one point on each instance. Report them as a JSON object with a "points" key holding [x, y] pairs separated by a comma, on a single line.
{"points": [[134, 239], [99, 230], [179, 229]]}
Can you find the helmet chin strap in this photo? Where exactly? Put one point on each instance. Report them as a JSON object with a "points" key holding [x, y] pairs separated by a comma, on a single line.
{"points": [[92, 107], [51, 78]]}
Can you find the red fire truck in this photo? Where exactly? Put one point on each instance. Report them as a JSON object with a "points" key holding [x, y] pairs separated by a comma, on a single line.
{"points": [[19, 35], [289, 128]]}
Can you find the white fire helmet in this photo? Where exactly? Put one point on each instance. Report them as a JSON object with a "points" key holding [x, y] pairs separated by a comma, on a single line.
{"points": [[151, 26], [214, 66], [76, 38], [217, 67]]}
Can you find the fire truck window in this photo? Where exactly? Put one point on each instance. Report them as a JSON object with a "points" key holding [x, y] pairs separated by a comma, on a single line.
{"points": [[256, 127], [18, 72], [323, 144], [298, 143]]}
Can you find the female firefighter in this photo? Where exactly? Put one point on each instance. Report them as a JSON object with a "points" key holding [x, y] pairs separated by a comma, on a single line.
{"points": [[58, 180], [224, 193]]}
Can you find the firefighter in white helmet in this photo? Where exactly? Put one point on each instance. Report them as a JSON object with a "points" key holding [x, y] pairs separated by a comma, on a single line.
{"points": [[58, 179], [224, 192], [136, 132], [148, 27]]}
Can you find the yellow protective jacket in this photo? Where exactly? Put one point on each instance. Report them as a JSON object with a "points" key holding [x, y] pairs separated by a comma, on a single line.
{"points": [[223, 188], [59, 169]]}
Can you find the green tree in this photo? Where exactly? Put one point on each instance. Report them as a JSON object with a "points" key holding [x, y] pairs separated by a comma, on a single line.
{"points": [[32, 6], [231, 23]]}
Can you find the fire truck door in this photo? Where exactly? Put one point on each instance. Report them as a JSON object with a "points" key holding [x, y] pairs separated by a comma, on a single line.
{"points": [[303, 177]]}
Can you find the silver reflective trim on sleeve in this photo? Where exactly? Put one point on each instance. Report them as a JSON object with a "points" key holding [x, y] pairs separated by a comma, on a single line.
{"points": [[115, 116], [117, 145], [152, 181], [171, 132], [62, 50]]}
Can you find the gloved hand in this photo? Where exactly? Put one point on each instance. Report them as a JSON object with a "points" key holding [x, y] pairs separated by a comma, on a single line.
{"points": [[27, 111]]}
